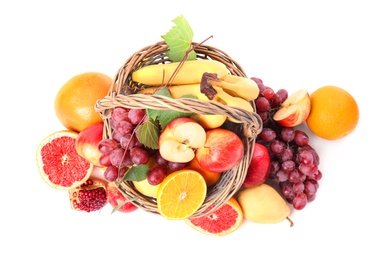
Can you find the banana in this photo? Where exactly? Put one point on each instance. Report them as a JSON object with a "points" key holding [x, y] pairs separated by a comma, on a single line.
{"points": [[238, 86], [232, 101], [191, 72]]}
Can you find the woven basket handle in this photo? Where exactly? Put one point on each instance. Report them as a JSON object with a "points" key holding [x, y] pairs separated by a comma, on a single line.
{"points": [[251, 121]]}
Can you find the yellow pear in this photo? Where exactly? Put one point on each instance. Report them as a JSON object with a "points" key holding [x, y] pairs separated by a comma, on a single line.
{"points": [[263, 204]]}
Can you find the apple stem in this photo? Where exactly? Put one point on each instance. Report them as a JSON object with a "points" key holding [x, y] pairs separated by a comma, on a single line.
{"points": [[291, 222]]}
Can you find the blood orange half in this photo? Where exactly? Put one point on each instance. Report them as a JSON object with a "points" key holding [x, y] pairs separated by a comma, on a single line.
{"points": [[59, 164], [220, 222]]}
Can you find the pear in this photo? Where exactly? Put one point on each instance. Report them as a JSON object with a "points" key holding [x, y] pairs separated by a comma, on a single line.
{"points": [[263, 204]]}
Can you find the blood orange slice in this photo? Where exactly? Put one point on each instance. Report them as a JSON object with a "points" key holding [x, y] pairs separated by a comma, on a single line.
{"points": [[220, 222], [59, 164]]}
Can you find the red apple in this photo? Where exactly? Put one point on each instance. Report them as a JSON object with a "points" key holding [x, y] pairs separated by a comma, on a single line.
{"points": [[87, 143], [222, 151], [180, 138], [294, 110], [259, 167], [115, 197]]}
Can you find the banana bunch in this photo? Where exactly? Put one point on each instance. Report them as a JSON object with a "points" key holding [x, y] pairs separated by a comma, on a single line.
{"points": [[230, 90]]}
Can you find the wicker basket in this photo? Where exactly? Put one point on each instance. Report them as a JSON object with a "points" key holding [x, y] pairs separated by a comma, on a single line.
{"points": [[123, 93]]}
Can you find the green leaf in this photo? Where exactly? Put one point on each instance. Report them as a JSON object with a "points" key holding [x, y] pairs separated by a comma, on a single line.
{"points": [[148, 133], [165, 116], [179, 40], [168, 115], [136, 173]]}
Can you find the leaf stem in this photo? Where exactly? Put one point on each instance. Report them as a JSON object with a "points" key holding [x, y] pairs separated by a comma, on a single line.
{"points": [[183, 60]]}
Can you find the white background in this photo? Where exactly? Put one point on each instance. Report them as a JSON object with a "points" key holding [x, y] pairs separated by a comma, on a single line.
{"points": [[289, 44]]}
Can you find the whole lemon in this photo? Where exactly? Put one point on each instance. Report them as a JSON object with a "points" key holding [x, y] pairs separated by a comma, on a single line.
{"points": [[75, 101], [334, 113]]}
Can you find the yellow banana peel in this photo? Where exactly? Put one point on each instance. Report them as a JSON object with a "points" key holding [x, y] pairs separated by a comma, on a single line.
{"points": [[238, 86], [232, 101], [190, 72]]}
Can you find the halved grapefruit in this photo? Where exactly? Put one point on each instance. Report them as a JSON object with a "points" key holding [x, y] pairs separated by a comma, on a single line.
{"points": [[220, 222], [59, 164]]}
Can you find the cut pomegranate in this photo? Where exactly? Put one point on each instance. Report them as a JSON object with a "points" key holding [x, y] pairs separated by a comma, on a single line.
{"points": [[89, 196]]}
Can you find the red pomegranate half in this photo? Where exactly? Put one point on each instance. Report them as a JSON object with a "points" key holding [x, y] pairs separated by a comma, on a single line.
{"points": [[89, 196]]}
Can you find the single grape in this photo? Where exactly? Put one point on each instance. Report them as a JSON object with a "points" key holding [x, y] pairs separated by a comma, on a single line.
{"points": [[305, 157], [128, 141], [311, 187], [299, 201], [316, 176], [298, 187], [135, 116], [308, 170], [124, 127], [287, 134], [281, 175], [294, 176], [116, 136], [268, 93], [286, 155], [111, 173], [106, 146], [277, 147], [119, 114], [283, 94], [264, 116], [116, 156], [160, 160], [276, 101], [156, 175], [262, 104], [287, 190], [175, 166], [139, 155], [267, 134], [288, 166], [301, 138], [104, 160]]}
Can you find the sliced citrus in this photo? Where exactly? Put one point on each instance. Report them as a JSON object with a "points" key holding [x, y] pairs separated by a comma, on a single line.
{"points": [[181, 194], [220, 222], [59, 164]]}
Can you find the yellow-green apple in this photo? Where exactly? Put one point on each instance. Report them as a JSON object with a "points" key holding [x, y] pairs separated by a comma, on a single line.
{"points": [[115, 198], [294, 110], [87, 142], [222, 151], [259, 167], [180, 138]]}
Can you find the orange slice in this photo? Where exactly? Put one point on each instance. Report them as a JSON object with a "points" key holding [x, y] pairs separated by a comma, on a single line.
{"points": [[59, 164], [223, 221], [181, 194]]}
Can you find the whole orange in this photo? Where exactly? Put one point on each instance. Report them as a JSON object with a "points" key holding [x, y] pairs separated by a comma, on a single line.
{"points": [[334, 113], [75, 101]]}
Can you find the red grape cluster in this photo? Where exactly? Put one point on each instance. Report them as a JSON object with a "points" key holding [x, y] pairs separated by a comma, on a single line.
{"points": [[294, 163], [123, 150]]}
